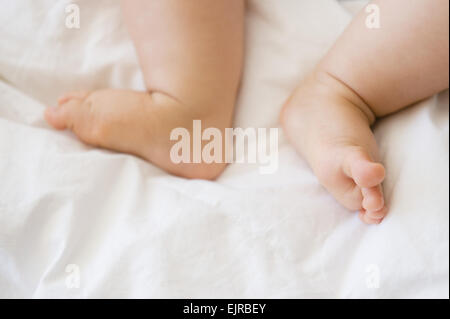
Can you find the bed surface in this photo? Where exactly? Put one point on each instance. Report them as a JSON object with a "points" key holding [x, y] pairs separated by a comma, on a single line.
{"points": [[79, 222]]}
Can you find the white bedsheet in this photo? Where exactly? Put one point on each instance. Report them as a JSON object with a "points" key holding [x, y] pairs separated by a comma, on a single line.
{"points": [[127, 229]]}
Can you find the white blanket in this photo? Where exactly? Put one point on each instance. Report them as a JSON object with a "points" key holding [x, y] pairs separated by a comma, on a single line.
{"points": [[79, 222]]}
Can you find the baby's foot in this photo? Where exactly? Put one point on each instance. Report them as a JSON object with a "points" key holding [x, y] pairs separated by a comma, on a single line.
{"points": [[132, 122], [330, 126], [103, 118]]}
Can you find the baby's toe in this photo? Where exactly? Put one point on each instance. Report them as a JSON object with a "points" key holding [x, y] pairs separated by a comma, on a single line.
{"points": [[351, 199], [54, 117], [378, 214], [64, 116], [363, 170], [366, 218], [373, 198]]}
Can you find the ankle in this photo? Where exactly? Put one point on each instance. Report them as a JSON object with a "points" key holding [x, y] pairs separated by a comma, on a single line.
{"points": [[340, 88]]}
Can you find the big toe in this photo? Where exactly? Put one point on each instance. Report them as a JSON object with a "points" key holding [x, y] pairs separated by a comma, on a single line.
{"points": [[363, 170], [65, 115], [55, 117]]}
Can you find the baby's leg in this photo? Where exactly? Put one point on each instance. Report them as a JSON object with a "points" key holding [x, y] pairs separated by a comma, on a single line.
{"points": [[368, 73], [191, 55]]}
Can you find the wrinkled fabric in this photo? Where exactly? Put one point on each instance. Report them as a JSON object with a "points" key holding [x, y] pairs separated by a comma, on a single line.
{"points": [[79, 222]]}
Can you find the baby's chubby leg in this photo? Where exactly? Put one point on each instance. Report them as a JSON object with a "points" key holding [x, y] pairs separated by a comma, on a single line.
{"points": [[367, 74], [191, 55]]}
